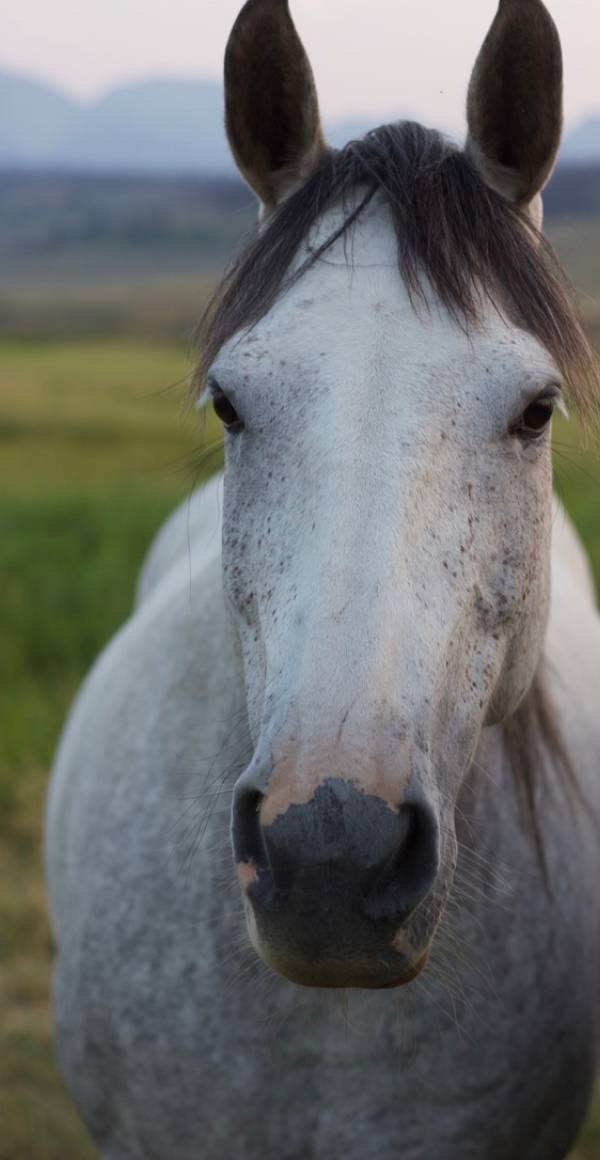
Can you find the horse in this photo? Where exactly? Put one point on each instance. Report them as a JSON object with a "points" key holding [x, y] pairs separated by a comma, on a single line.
{"points": [[366, 662]]}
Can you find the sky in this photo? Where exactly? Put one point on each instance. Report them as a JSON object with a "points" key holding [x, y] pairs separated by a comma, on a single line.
{"points": [[389, 58]]}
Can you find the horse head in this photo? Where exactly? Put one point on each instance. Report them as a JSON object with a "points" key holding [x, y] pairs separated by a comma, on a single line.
{"points": [[386, 359]]}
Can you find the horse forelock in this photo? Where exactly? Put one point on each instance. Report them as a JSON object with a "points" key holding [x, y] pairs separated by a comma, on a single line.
{"points": [[453, 233]]}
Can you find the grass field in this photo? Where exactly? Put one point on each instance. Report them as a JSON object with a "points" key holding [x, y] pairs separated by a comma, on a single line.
{"points": [[94, 451]]}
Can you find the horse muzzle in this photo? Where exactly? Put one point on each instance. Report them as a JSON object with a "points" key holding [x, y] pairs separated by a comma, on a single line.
{"points": [[336, 888]]}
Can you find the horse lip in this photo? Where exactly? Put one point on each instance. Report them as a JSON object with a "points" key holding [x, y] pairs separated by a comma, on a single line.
{"points": [[309, 975], [409, 977], [314, 979]]}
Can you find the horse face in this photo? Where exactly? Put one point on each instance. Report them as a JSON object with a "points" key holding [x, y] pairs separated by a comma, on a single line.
{"points": [[386, 535], [386, 555]]}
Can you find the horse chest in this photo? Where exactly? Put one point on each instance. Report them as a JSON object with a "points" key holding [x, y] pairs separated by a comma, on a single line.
{"points": [[171, 1031]]}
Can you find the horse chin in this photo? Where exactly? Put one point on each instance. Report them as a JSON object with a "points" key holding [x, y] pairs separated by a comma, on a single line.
{"points": [[355, 973], [411, 974], [342, 975]]}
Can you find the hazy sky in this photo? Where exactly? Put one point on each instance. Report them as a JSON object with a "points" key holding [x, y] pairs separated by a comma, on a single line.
{"points": [[386, 57]]}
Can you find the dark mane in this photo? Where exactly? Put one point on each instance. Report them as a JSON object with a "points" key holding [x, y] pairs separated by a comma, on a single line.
{"points": [[452, 230]]}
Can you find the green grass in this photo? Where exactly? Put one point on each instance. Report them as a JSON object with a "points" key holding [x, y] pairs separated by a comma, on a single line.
{"points": [[94, 452]]}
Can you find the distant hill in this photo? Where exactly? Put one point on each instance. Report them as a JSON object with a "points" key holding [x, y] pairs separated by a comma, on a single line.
{"points": [[574, 191], [155, 126], [165, 126], [582, 145], [35, 122]]}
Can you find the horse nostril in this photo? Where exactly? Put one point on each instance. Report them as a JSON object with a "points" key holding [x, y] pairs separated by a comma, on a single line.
{"points": [[343, 853], [410, 874], [247, 833]]}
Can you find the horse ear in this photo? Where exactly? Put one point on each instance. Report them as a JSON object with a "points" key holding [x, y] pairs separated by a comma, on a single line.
{"points": [[271, 106], [514, 106]]}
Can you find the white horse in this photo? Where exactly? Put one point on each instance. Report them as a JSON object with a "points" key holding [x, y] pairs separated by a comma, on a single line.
{"points": [[396, 701]]}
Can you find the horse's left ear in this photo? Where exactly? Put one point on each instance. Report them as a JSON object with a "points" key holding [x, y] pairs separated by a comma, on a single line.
{"points": [[514, 106], [271, 106]]}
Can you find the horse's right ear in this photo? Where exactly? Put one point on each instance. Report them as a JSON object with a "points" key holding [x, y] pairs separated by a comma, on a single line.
{"points": [[271, 106]]}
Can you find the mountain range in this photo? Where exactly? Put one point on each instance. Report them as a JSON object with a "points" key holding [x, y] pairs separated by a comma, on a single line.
{"points": [[154, 126], [161, 126]]}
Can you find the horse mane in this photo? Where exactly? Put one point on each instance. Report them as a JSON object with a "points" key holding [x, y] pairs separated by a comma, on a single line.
{"points": [[464, 240], [453, 232]]}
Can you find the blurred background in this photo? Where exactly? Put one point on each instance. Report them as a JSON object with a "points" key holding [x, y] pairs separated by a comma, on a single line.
{"points": [[118, 208]]}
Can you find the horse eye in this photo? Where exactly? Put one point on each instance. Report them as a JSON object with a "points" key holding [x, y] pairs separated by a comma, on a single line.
{"points": [[225, 411], [536, 418]]}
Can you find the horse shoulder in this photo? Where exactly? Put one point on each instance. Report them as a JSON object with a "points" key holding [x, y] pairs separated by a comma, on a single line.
{"points": [[141, 715], [569, 555], [192, 532], [572, 649]]}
